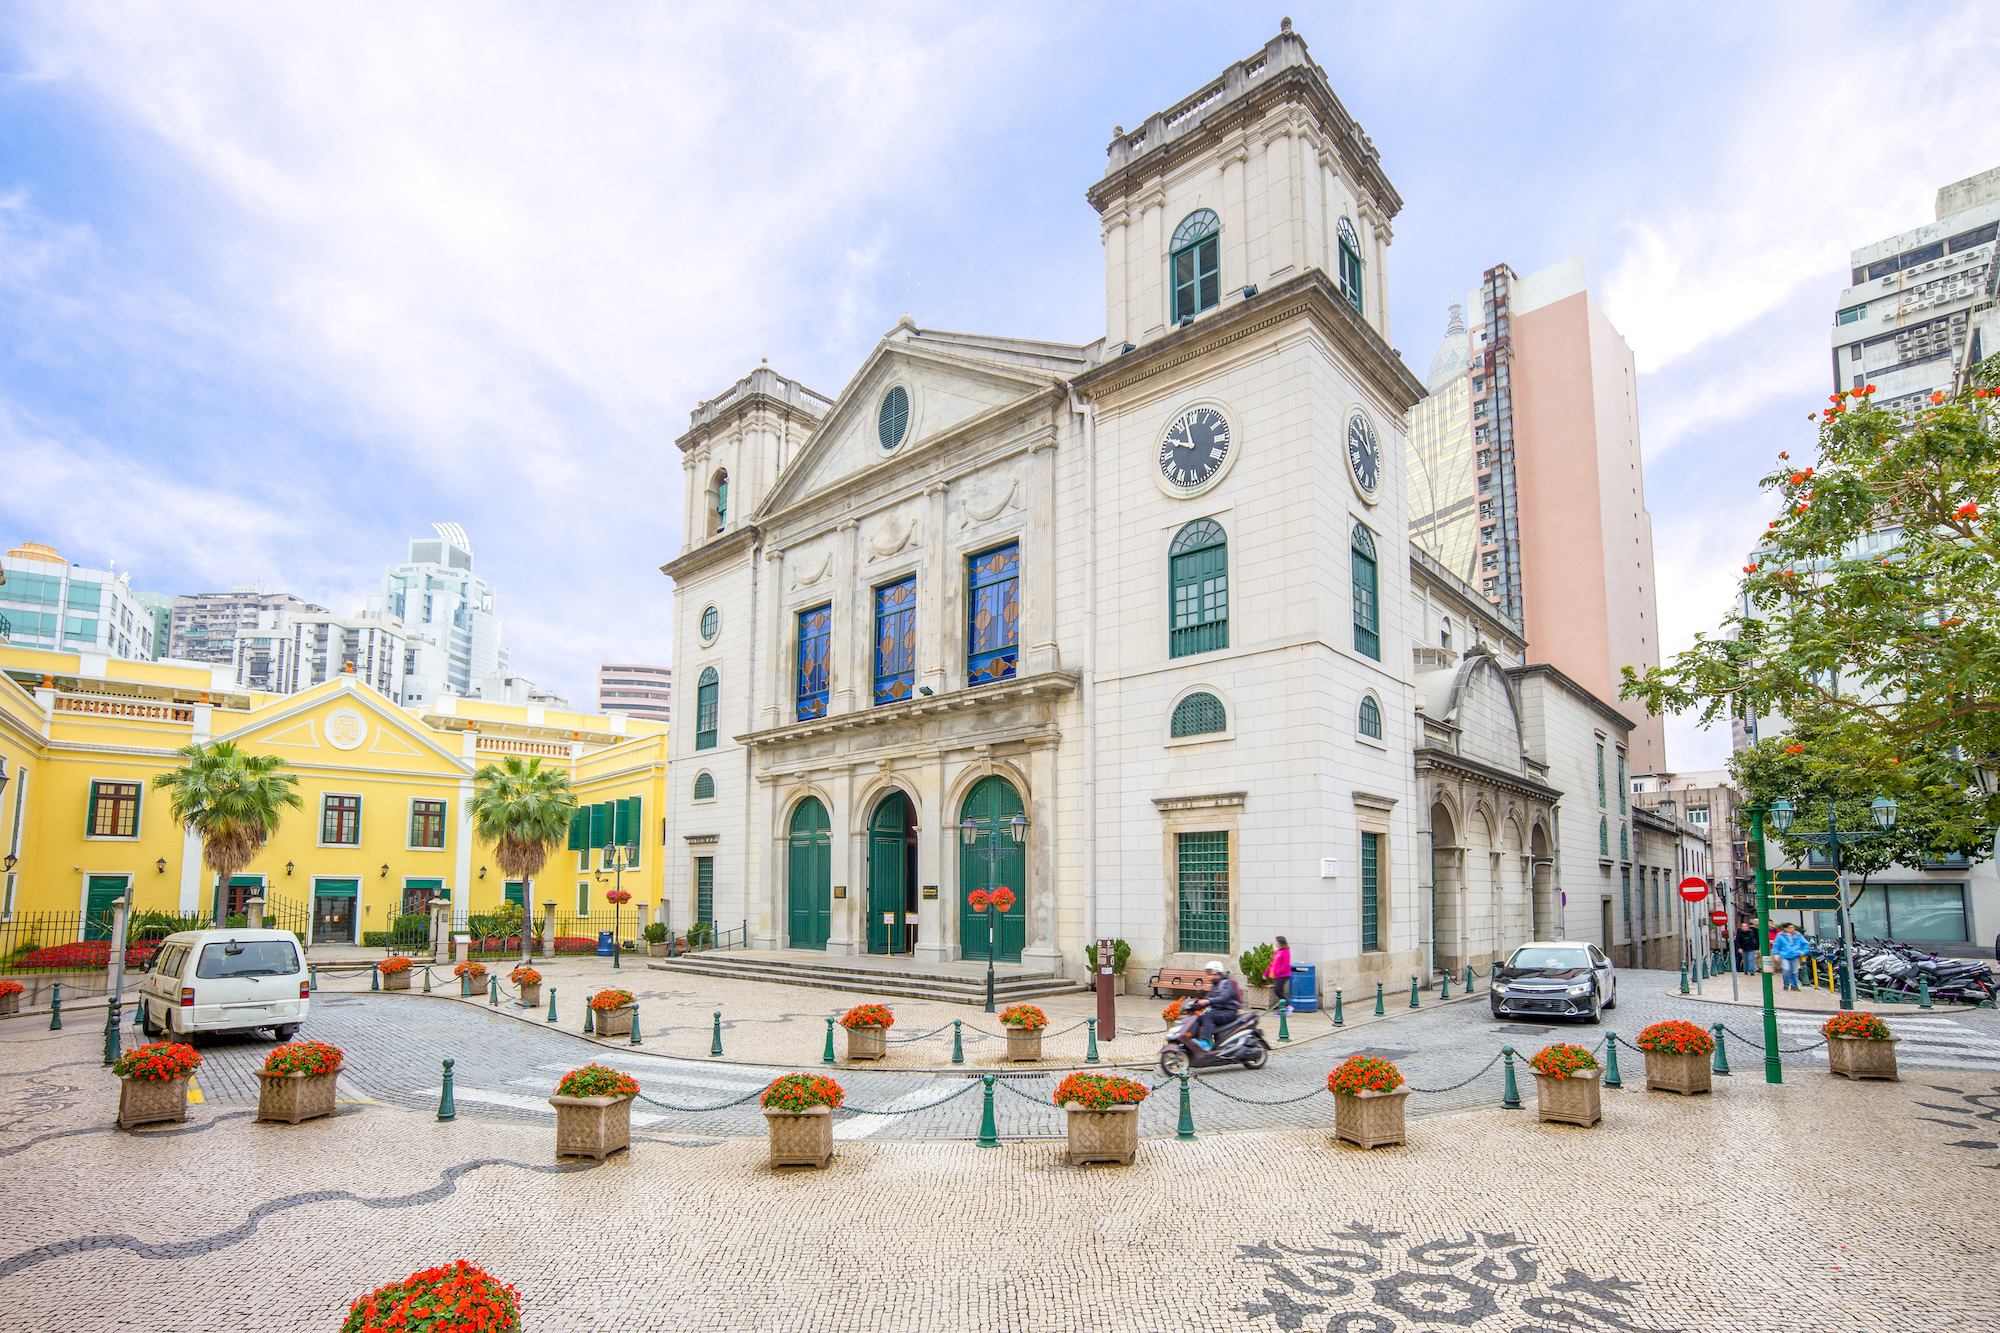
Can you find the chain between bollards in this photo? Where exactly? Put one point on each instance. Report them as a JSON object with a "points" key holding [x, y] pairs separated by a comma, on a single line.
{"points": [[1339, 1018], [1186, 1131], [1611, 1077], [635, 1028], [1720, 1065], [447, 1108], [1510, 1098], [826, 1056], [989, 1132], [715, 1041], [552, 1004], [1089, 1056]]}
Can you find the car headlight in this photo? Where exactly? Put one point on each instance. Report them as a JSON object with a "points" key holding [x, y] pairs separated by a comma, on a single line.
{"points": [[1581, 988], [1499, 988]]}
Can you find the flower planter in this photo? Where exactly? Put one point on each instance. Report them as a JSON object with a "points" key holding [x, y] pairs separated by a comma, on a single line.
{"points": [[468, 987], [801, 1138], [1574, 1099], [1685, 1074], [1370, 1119], [593, 1127], [870, 1043], [295, 1097], [396, 980], [656, 950], [149, 1101], [1109, 1135], [615, 1022], [1257, 997], [1862, 1057], [10, 1004], [1024, 1043], [531, 995]]}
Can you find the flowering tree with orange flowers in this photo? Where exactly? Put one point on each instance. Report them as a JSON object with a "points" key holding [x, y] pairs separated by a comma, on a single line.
{"points": [[1867, 628]]}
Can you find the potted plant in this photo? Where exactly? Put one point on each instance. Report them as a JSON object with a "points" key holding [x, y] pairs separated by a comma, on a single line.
{"points": [[395, 973], [1172, 1013], [458, 1297], [1103, 1113], [868, 1031], [613, 1011], [1121, 953], [1567, 1086], [593, 1112], [1256, 985], [153, 1083], [1860, 1045], [10, 998], [1677, 1057], [656, 939], [470, 976], [798, 1109], [1368, 1097], [529, 982], [297, 1081], [1024, 1024]]}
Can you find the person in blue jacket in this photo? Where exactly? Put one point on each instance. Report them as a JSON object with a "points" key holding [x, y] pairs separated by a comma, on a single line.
{"points": [[1790, 945]]}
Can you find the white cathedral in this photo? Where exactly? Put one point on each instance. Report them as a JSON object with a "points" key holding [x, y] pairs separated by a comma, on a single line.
{"points": [[1133, 629]]}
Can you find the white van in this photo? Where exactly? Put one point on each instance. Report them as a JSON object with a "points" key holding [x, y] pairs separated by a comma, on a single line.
{"points": [[225, 981]]}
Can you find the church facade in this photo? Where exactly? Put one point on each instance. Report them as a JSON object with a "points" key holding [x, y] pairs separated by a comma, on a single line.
{"points": [[1132, 629]]}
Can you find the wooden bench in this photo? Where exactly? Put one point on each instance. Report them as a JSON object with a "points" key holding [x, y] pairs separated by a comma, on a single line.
{"points": [[1178, 981]]}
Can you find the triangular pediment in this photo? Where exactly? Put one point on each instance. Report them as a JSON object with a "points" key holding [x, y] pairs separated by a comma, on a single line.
{"points": [[346, 724], [952, 381]]}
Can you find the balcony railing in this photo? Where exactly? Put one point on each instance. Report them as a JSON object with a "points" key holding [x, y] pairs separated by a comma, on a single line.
{"points": [[100, 707]]}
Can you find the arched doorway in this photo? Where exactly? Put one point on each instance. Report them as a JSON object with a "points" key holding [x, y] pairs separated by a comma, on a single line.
{"points": [[809, 876], [1542, 881], [1446, 860], [993, 802], [892, 875]]}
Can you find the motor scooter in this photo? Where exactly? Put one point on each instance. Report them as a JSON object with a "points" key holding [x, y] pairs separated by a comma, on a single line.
{"points": [[1240, 1043]]}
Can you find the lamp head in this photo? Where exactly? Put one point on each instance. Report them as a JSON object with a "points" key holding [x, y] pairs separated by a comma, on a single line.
{"points": [[1884, 811], [1781, 814], [161, 865], [1018, 826], [969, 830]]}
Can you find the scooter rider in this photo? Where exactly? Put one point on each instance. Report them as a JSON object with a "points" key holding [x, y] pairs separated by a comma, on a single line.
{"points": [[1219, 1007]]}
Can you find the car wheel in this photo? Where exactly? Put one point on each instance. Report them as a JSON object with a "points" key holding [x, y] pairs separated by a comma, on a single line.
{"points": [[1173, 1062], [1596, 1014], [284, 1031], [1495, 1008], [146, 1023], [1612, 1003]]}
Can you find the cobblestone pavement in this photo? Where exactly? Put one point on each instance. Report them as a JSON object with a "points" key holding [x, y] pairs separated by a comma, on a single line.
{"points": [[1745, 1210]]}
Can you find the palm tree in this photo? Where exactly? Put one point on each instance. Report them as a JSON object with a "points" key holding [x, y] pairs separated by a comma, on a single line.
{"points": [[524, 811], [231, 799]]}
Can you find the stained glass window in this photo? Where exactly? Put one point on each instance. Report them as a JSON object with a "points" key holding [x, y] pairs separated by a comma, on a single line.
{"points": [[896, 641], [993, 615], [815, 639]]}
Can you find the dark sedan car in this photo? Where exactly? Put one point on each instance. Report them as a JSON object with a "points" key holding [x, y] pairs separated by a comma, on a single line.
{"points": [[1559, 979]]}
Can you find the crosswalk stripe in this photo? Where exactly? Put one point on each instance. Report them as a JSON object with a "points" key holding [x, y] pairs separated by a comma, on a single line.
{"points": [[539, 1105], [862, 1126]]}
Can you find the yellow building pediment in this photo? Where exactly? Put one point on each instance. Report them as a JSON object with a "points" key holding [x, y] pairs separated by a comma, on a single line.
{"points": [[344, 725]]}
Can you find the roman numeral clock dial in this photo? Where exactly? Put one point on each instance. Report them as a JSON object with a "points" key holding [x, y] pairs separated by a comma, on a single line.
{"points": [[1195, 447], [1364, 457]]}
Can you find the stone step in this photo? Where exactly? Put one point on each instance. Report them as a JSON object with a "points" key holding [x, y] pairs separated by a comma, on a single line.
{"points": [[946, 988]]}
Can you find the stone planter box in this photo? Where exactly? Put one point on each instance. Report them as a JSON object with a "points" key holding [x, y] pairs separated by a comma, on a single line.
{"points": [[1685, 1074], [801, 1138], [531, 995], [1577, 1099], [471, 986], [1024, 1043], [149, 1101], [1110, 1135], [10, 1004], [615, 1022], [396, 980], [658, 950], [1257, 997], [868, 1043], [295, 1097], [593, 1127], [1858, 1057], [1370, 1119]]}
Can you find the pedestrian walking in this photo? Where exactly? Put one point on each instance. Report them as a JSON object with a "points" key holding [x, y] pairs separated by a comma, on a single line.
{"points": [[1746, 947], [1790, 946], [1279, 974]]}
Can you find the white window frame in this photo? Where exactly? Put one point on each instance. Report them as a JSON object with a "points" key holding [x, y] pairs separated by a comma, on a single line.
{"points": [[411, 819], [90, 812], [360, 809]]}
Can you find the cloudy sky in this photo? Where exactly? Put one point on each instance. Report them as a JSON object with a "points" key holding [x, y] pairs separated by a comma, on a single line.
{"points": [[281, 284]]}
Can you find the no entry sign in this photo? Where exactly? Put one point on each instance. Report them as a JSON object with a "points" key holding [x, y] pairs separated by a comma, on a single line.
{"points": [[1718, 917], [1694, 888]]}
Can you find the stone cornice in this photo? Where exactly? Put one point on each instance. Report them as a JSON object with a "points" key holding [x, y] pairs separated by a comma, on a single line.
{"points": [[712, 552], [1429, 758], [980, 698], [1210, 801]]}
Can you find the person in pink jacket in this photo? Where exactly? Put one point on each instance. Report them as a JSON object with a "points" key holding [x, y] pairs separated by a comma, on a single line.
{"points": [[1279, 974]]}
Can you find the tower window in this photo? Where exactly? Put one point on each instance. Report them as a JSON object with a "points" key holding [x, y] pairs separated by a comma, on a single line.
{"points": [[1350, 265], [1198, 573], [993, 614], [1197, 264], [706, 709], [893, 421], [1367, 595], [1369, 722], [1199, 714]]}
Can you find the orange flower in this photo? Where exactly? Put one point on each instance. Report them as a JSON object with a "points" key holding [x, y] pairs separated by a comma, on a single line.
{"points": [[1795, 749], [1937, 397], [1868, 388], [1967, 510]]}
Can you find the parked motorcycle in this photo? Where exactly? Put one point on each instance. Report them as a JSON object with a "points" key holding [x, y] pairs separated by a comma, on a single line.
{"points": [[1240, 1043]]}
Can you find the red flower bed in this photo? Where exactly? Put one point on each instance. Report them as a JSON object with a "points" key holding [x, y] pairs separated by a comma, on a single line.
{"points": [[457, 1298], [303, 1057], [868, 1016], [85, 955], [1856, 1024], [525, 976], [161, 1060], [472, 970], [597, 1081], [606, 1000], [1560, 1060], [1099, 1092], [802, 1092], [389, 966], [618, 897], [1676, 1037], [1024, 1016], [575, 944], [1172, 1013], [9, 988], [1364, 1073]]}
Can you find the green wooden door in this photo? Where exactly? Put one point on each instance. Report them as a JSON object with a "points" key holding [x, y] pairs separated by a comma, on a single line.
{"points": [[704, 890], [514, 892], [99, 893], [989, 800], [809, 876], [888, 876], [334, 909]]}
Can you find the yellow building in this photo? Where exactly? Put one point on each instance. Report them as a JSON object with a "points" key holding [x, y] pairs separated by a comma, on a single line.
{"points": [[383, 829]]}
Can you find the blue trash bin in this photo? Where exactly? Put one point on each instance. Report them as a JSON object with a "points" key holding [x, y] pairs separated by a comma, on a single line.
{"points": [[1305, 989], [604, 946]]}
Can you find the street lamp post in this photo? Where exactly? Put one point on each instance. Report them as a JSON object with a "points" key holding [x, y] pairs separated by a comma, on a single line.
{"points": [[1774, 1071], [995, 851], [1884, 812]]}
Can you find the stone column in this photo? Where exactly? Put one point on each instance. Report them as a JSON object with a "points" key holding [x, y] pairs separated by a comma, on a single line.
{"points": [[1117, 226], [1038, 561], [776, 641], [938, 841], [937, 598], [1042, 948], [848, 625], [845, 852], [255, 908]]}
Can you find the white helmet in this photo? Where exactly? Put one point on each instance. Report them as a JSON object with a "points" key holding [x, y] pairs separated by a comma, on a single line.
{"points": [[1217, 967]]}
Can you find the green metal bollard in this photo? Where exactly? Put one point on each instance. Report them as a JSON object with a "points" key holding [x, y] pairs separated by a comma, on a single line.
{"points": [[1379, 1010], [427, 981], [1284, 1027], [1923, 991], [1684, 978], [589, 1020], [111, 1015], [1339, 1018], [1186, 1131], [1611, 1078], [1468, 978], [826, 1056], [1089, 1055], [55, 1007], [552, 1004], [635, 1028], [447, 1108], [1510, 1097], [1444, 987], [314, 977], [493, 992], [1413, 992], [374, 976], [715, 1041], [1720, 1065], [989, 1132]]}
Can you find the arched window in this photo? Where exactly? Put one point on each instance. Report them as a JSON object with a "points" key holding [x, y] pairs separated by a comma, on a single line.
{"points": [[1198, 574], [1350, 265], [1370, 721], [704, 786], [893, 421], [815, 642], [1624, 843], [1367, 595], [1604, 838], [1199, 714], [1444, 633], [1197, 267], [706, 709]]}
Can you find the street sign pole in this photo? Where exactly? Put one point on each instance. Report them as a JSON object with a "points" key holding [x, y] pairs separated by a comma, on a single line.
{"points": [[1774, 1071], [1107, 1003], [1731, 928]]}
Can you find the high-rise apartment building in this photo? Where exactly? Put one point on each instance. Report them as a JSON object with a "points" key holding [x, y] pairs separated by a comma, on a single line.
{"points": [[48, 602], [1536, 487], [639, 691], [1920, 308], [290, 651], [452, 632], [205, 624], [162, 607]]}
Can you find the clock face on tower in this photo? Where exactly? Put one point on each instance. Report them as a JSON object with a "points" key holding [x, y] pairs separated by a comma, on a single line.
{"points": [[1195, 447], [1364, 456]]}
